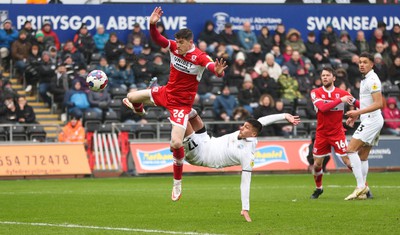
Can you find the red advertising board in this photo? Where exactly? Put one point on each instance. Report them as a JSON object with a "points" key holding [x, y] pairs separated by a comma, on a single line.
{"points": [[271, 155]]}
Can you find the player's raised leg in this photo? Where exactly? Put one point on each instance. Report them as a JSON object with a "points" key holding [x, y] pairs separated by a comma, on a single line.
{"points": [[135, 100]]}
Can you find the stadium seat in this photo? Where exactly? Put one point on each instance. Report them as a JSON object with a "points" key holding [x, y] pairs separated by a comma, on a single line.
{"points": [[118, 92], [95, 58], [91, 120], [234, 90], [111, 117], [105, 128], [153, 114], [3, 134], [116, 105], [207, 115], [145, 131], [207, 103], [36, 133], [165, 130], [18, 133]]}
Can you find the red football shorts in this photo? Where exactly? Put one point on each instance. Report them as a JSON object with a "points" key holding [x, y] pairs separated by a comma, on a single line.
{"points": [[323, 145], [179, 113]]}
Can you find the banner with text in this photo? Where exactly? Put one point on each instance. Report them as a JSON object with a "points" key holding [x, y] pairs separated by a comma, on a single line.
{"points": [[66, 19], [43, 160], [270, 156]]}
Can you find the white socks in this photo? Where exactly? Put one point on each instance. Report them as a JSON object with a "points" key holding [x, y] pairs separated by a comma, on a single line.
{"points": [[364, 169], [357, 170]]}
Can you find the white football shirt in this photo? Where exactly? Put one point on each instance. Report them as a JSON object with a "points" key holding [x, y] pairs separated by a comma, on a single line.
{"points": [[369, 85]]}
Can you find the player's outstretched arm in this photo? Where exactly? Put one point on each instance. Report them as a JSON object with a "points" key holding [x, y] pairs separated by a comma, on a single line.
{"points": [[295, 120], [156, 15], [246, 215]]}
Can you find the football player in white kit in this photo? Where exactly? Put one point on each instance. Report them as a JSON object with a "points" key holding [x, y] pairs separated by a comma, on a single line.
{"points": [[233, 149], [367, 133]]}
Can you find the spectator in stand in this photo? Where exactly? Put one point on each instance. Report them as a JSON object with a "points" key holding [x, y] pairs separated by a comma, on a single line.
{"points": [[54, 56], [265, 39], [105, 67], [235, 74], [100, 39], [329, 33], [304, 80], [392, 112], [81, 75], [330, 52], [266, 106], [386, 35], [394, 71], [7, 90], [46, 71], [161, 69], [378, 37], [59, 85], [20, 52], [395, 35], [209, 36], [49, 33], [143, 72], [380, 68], [282, 129], [146, 52], [289, 85], [39, 40], [273, 69], [342, 76], [9, 110], [129, 54], [293, 38], [222, 52], [31, 70], [230, 38], [295, 63], [277, 41], [276, 51], [76, 100], [361, 43], [73, 131], [394, 51], [255, 56], [137, 45], [281, 32], [76, 55], [25, 112], [314, 51], [205, 87], [122, 75], [137, 32], [266, 84], [30, 32], [129, 117], [345, 47], [247, 37], [224, 105], [70, 66], [99, 101], [7, 36], [352, 70], [379, 48], [248, 95], [84, 42], [287, 54], [113, 49]]}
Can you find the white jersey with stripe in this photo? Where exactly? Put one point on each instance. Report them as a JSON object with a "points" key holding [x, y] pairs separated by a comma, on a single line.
{"points": [[369, 85]]}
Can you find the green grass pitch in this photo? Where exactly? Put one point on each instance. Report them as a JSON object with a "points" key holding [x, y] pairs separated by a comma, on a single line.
{"points": [[210, 204]]}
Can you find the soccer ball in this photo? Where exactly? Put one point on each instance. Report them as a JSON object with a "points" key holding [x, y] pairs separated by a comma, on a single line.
{"points": [[96, 80]]}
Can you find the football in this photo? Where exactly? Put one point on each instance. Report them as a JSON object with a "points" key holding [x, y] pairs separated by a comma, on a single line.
{"points": [[97, 80]]}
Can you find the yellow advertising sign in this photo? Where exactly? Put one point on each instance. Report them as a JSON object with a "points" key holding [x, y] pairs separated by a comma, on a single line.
{"points": [[43, 159]]}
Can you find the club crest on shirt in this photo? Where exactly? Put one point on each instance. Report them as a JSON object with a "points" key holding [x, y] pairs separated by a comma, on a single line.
{"points": [[337, 96], [194, 58]]}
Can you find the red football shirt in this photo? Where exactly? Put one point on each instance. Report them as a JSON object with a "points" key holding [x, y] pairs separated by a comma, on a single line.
{"points": [[185, 73], [329, 122]]}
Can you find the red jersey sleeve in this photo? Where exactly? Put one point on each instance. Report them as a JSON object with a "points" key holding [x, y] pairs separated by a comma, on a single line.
{"points": [[157, 37]]}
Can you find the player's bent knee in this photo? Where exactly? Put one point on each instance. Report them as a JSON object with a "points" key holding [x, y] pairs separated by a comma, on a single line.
{"points": [[176, 143]]}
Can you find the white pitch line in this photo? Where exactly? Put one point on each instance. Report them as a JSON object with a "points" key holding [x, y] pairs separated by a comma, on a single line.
{"points": [[102, 228]]}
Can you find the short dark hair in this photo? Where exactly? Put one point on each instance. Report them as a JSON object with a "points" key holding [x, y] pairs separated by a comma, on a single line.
{"points": [[256, 124], [184, 34], [367, 55], [329, 69]]}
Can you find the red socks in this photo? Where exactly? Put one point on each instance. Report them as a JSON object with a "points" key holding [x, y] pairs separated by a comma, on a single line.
{"points": [[178, 155], [318, 176], [138, 107]]}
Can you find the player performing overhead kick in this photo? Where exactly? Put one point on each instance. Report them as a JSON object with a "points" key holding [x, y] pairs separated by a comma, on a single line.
{"points": [[233, 149], [187, 66]]}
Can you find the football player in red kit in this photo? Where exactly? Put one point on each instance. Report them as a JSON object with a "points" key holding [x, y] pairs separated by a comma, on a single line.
{"points": [[187, 66], [329, 103]]}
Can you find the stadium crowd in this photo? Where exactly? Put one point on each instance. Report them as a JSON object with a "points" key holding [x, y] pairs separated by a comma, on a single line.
{"points": [[270, 72]]}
